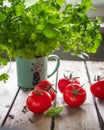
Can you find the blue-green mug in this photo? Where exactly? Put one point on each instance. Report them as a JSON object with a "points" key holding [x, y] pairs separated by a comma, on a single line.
{"points": [[31, 71]]}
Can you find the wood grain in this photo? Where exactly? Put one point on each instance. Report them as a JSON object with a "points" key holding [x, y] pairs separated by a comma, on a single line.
{"points": [[80, 118], [8, 91], [97, 68], [24, 118], [28, 119]]}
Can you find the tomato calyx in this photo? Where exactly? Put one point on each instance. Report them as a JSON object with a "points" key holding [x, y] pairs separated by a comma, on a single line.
{"points": [[74, 95], [49, 87], [75, 91], [38, 101], [70, 77], [38, 92], [98, 78]]}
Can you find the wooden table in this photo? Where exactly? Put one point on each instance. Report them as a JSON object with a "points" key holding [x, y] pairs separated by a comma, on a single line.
{"points": [[89, 116]]}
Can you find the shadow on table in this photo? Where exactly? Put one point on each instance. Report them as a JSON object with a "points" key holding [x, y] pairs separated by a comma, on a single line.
{"points": [[5, 128]]}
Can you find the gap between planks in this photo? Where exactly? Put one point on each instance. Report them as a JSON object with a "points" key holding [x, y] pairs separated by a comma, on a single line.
{"points": [[96, 105]]}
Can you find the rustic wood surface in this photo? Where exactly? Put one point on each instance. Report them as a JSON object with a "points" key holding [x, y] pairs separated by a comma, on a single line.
{"points": [[97, 68], [89, 116], [7, 92], [81, 117]]}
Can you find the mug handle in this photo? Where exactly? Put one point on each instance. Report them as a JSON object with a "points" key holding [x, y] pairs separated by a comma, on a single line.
{"points": [[57, 63]]}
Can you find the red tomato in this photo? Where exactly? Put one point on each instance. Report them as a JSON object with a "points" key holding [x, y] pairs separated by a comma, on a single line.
{"points": [[97, 88], [74, 95], [62, 83], [38, 101], [47, 86]]}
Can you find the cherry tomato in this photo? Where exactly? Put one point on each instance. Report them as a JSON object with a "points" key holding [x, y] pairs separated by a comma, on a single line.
{"points": [[47, 86], [62, 83], [38, 101], [74, 95], [97, 89]]}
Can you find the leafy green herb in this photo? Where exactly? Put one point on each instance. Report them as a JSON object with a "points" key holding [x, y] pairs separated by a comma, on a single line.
{"points": [[4, 77], [1, 2], [40, 29], [3, 61], [54, 111]]}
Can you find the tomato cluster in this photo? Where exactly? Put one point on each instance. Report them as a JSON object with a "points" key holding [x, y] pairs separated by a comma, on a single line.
{"points": [[73, 93], [40, 99], [63, 82]]}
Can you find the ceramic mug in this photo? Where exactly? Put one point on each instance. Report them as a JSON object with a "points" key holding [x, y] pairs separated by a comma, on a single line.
{"points": [[31, 71]]}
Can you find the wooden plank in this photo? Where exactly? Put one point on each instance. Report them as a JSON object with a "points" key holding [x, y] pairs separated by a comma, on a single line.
{"points": [[7, 91], [80, 118], [28, 119], [97, 68]]}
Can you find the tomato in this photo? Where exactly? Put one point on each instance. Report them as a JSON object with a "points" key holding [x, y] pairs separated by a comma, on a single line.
{"points": [[74, 95], [63, 82], [38, 101], [97, 89], [47, 86]]}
